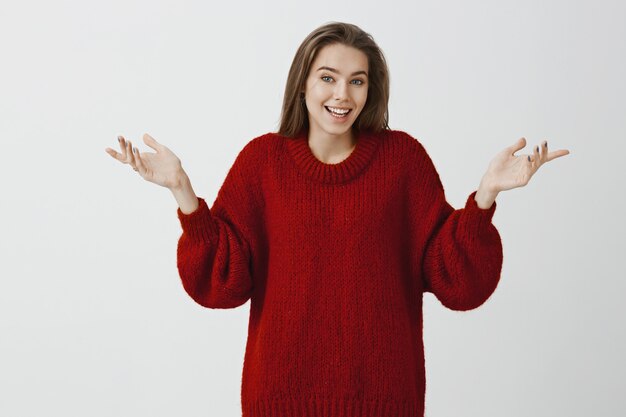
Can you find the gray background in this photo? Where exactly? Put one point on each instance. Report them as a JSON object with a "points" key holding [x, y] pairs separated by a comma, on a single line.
{"points": [[93, 318]]}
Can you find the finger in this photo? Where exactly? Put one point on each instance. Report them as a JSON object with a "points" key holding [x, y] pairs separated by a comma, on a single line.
{"points": [[519, 144], [151, 142], [122, 147], [536, 156], [114, 154], [544, 151], [532, 162], [129, 154], [555, 154], [139, 162], [527, 169]]}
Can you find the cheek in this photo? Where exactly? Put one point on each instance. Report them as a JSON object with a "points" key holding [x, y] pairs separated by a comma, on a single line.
{"points": [[314, 86], [362, 99], [315, 91]]}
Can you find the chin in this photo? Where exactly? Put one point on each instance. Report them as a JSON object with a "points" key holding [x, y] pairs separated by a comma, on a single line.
{"points": [[339, 130]]}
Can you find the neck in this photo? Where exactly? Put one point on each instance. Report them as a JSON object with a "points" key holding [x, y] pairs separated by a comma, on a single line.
{"points": [[330, 148]]}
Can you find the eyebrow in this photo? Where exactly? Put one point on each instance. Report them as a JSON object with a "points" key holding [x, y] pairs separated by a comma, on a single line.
{"points": [[334, 70]]}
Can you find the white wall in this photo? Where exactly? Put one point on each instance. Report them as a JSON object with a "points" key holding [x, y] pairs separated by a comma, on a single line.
{"points": [[93, 318]]}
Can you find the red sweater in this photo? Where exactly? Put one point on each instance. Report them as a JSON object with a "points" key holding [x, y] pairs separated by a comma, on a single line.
{"points": [[335, 259]]}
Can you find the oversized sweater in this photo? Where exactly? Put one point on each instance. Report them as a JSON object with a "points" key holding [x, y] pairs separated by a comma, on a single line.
{"points": [[335, 259]]}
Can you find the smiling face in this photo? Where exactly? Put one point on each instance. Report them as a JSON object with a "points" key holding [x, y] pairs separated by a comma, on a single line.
{"points": [[337, 80]]}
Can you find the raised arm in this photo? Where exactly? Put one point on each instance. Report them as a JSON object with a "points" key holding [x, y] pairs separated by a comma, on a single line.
{"points": [[218, 246], [460, 251]]}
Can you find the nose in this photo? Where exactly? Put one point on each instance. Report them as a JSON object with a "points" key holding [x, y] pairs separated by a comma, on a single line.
{"points": [[341, 90]]}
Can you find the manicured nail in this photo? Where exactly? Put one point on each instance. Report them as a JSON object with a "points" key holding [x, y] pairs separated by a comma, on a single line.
{"points": [[119, 138], [529, 158], [546, 144], [135, 150]]}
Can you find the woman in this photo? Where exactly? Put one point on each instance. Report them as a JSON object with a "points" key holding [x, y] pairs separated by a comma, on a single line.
{"points": [[334, 227]]}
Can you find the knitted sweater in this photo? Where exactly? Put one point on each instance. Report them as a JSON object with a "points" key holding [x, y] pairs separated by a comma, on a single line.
{"points": [[335, 259]]}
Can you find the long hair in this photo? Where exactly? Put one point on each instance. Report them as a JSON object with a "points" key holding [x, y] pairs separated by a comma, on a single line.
{"points": [[375, 114]]}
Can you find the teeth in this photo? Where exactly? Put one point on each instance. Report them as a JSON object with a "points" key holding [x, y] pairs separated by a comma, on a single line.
{"points": [[338, 111]]}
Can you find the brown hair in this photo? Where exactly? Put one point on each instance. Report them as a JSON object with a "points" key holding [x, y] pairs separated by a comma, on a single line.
{"points": [[375, 114]]}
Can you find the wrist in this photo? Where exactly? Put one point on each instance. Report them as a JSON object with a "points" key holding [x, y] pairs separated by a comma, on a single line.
{"points": [[180, 183], [487, 186], [485, 194], [185, 196]]}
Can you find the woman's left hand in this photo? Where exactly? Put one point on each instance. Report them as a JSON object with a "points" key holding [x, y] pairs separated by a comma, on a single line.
{"points": [[507, 171]]}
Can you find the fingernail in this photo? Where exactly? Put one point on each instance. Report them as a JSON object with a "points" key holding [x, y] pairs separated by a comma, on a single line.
{"points": [[546, 144], [135, 150], [537, 148], [529, 158], [119, 138]]}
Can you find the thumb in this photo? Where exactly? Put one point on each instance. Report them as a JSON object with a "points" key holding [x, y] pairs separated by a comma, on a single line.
{"points": [[151, 142], [519, 144]]}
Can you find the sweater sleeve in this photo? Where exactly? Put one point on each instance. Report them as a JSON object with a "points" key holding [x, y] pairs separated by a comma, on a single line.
{"points": [[460, 250], [216, 251]]}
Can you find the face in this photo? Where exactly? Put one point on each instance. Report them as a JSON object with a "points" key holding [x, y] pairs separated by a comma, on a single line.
{"points": [[337, 79]]}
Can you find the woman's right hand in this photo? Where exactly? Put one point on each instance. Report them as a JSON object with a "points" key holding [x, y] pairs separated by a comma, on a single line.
{"points": [[162, 168]]}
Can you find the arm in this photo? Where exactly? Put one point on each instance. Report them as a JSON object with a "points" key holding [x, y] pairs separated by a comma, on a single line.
{"points": [[217, 248], [185, 196], [463, 257], [461, 249]]}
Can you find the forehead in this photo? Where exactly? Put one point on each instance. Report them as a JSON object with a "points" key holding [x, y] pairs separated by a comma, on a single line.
{"points": [[342, 57]]}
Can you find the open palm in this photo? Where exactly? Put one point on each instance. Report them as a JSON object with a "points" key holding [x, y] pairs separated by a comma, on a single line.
{"points": [[162, 168], [508, 171]]}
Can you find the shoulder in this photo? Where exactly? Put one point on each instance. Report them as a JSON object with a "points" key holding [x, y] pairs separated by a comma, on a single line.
{"points": [[407, 144], [400, 137], [264, 146], [254, 154], [415, 159], [248, 170], [258, 144]]}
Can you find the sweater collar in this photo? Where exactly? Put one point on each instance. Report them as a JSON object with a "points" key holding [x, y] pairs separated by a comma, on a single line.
{"points": [[341, 172]]}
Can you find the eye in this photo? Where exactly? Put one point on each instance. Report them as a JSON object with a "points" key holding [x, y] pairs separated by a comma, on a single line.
{"points": [[359, 82]]}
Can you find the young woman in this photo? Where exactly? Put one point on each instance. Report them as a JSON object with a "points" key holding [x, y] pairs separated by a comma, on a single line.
{"points": [[334, 227]]}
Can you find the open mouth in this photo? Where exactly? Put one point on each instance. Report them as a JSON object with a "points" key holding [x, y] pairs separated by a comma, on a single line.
{"points": [[337, 114]]}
